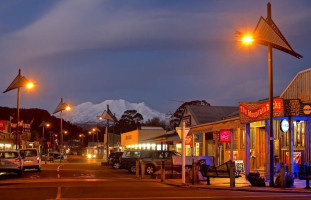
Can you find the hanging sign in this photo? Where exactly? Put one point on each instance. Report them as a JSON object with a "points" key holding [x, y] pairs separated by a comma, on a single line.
{"points": [[256, 111], [284, 125], [307, 109], [224, 135]]}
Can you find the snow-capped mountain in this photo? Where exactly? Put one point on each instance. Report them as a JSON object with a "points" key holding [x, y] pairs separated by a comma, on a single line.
{"points": [[87, 112]]}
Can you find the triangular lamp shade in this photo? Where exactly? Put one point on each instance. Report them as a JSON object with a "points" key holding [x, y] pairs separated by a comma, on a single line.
{"points": [[270, 34], [19, 81]]}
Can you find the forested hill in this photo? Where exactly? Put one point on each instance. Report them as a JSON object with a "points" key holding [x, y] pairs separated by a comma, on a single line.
{"points": [[36, 116]]}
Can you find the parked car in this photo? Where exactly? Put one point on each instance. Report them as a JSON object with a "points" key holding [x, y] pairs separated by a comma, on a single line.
{"points": [[11, 161], [115, 160], [151, 158], [54, 156], [31, 159], [128, 160]]}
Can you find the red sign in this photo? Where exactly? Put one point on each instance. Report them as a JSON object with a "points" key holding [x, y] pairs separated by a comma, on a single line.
{"points": [[48, 142], [188, 140], [224, 135], [2, 125], [255, 111], [296, 157]]}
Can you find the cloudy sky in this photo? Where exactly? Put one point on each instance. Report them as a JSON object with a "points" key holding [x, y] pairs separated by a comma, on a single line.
{"points": [[145, 51]]}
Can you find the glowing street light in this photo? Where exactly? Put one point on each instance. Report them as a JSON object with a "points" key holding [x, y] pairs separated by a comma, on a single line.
{"points": [[17, 83], [247, 39], [268, 34]]}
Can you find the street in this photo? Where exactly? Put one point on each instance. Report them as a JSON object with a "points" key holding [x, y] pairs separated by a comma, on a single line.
{"points": [[87, 179]]}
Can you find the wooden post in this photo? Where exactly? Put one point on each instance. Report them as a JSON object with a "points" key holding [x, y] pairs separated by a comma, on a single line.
{"points": [[162, 171], [291, 146], [232, 173], [247, 149], [282, 175], [137, 168], [142, 169], [231, 144], [267, 151], [204, 151], [193, 153], [217, 149]]}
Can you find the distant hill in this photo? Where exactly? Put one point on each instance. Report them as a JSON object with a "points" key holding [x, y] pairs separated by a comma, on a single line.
{"points": [[36, 116]]}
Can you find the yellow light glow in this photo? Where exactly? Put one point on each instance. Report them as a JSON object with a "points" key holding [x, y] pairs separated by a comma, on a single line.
{"points": [[48, 125], [30, 85], [89, 155], [94, 156], [100, 118], [68, 108], [90, 132], [247, 39], [93, 129]]}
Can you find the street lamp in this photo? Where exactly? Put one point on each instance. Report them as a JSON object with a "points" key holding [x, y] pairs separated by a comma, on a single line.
{"points": [[17, 83], [82, 136], [267, 33], [60, 108]]}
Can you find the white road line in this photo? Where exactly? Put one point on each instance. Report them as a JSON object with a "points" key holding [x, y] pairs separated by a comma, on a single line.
{"points": [[59, 191], [183, 197]]}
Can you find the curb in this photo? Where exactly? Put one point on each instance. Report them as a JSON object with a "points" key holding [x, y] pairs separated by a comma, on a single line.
{"points": [[238, 189]]}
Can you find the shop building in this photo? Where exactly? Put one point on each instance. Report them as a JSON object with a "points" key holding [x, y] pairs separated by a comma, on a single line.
{"points": [[6, 139], [139, 139], [203, 143]]}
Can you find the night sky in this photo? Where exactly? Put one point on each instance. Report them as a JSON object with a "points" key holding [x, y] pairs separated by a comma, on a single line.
{"points": [[146, 51]]}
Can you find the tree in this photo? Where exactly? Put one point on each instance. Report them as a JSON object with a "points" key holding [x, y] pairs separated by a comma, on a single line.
{"points": [[130, 120], [156, 122]]}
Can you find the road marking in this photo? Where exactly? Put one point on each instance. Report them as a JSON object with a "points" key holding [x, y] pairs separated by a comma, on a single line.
{"points": [[58, 176], [61, 180], [183, 197], [59, 191], [58, 168]]}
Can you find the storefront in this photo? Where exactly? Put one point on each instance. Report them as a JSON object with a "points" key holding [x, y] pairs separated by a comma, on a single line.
{"points": [[139, 139]]}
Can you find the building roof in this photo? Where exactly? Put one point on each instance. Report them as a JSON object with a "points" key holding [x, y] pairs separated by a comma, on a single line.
{"points": [[299, 87], [204, 114]]}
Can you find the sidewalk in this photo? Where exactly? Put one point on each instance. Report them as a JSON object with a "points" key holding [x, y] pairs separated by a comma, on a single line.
{"points": [[240, 185]]}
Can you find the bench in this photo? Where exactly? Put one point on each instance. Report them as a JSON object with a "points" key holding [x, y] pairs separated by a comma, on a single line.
{"points": [[221, 171], [304, 173]]}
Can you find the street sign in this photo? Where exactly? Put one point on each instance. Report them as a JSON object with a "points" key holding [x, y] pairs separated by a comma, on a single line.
{"points": [[179, 129]]}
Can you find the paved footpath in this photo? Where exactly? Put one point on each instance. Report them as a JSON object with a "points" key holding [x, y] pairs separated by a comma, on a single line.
{"points": [[90, 180]]}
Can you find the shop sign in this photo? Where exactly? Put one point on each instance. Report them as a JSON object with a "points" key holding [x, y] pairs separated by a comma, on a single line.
{"points": [[284, 125], [2, 125], [296, 157], [239, 166], [256, 111], [188, 140], [307, 109], [224, 135]]}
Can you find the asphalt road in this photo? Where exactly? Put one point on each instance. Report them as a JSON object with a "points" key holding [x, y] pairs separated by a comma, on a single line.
{"points": [[83, 179]]}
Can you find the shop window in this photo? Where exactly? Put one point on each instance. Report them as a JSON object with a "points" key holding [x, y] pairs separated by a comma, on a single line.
{"points": [[252, 138], [235, 139], [299, 135], [242, 139]]}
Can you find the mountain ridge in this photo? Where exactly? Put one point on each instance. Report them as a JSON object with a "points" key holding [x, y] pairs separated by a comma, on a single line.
{"points": [[87, 112]]}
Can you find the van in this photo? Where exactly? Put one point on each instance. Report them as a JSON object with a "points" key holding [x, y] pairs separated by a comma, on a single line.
{"points": [[11, 161], [31, 159]]}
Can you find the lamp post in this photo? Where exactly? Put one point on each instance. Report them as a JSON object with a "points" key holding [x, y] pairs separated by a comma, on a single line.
{"points": [[60, 108], [82, 136], [268, 34], [17, 83], [107, 114]]}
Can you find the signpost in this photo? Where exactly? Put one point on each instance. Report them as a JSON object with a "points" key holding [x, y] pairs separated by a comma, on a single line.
{"points": [[182, 132]]}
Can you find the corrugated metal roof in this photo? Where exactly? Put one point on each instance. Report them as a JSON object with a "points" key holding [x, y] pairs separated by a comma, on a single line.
{"points": [[299, 87], [206, 114]]}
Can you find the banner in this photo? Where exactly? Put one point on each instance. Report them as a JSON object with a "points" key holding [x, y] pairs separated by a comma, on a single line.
{"points": [[257, 111]]}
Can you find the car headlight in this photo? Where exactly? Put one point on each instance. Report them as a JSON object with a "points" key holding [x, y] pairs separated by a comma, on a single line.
{"points": [[94, 156], [89, 155]]}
